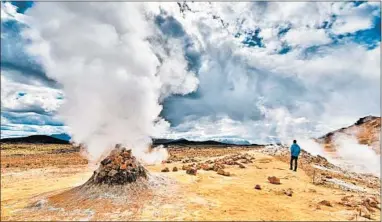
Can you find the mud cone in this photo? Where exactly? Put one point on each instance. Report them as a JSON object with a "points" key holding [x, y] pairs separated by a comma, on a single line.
{"points": [[119, 168]]}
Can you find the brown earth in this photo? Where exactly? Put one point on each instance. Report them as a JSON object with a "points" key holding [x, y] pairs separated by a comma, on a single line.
{"points": [[40, 182]]}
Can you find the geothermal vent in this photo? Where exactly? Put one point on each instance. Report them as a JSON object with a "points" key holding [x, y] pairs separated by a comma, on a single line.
{"points": [[119, 168]]}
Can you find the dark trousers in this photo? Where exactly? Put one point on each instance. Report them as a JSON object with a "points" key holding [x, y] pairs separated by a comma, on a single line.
{"points": [[295, 162]]}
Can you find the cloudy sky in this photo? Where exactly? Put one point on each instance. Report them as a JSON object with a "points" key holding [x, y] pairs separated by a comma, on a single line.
{"points": [[250, 71]]}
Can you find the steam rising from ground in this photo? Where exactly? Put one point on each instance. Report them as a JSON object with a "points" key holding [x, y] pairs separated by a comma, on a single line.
{"points": [[356, 157], [113, 77]]}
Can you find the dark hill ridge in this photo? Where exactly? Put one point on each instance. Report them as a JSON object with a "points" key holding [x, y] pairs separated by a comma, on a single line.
{"points": [[186, 142], [35, 139], [54, 140]]}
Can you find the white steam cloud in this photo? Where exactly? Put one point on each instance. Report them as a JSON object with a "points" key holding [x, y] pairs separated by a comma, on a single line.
{"points": [[356, 157], [112, 77]]}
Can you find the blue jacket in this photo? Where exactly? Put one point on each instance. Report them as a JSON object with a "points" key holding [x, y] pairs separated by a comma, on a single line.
{"points": [[295, 149]]}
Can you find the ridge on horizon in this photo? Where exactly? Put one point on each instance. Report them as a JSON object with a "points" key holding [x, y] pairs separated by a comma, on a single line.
{"points": [[64, 138]]}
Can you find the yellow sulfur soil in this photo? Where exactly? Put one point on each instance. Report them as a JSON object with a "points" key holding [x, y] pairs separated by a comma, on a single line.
{"points": [[206, 196]]}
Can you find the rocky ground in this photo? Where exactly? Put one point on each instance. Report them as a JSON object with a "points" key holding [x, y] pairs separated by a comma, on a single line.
{"points": [[43, 182]]}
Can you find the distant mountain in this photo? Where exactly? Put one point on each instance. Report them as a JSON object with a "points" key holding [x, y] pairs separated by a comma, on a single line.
{"points": [[35, 139], [61, 136], [186, 142], [367, 130]]}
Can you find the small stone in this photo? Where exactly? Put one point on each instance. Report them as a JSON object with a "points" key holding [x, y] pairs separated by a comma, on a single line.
{"points": [[184, 167], [218, 166], [112, 173], [123, 166], [288, 192], [205, 166], [106, 161], [274, 180], [102, 174], [165, 170], [220, 172], [258, 187], [326, 203], [191, 171], [223, 173], [363, 212], [241, 165], [175, 169]]}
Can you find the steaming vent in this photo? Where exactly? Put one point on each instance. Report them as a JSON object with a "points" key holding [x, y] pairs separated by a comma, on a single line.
{"points": [[119, 168]]}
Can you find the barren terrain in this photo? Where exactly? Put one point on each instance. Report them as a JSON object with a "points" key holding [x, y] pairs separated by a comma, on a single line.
{"points": [[40, 182]]}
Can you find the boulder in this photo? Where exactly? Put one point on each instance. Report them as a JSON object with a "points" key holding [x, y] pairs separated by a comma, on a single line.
{"points": [[166, 169], [175, 169], [223, 173], [274, 180], [218, 166], [258, 187], [191, 171], [325, 203], [206, 167]]}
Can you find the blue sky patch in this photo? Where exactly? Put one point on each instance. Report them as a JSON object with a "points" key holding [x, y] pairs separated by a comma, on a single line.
{"points": [[22, 6], [252, 39]]}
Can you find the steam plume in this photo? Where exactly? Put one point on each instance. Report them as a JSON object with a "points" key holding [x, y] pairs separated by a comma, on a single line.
{"points": [[112, 76]]}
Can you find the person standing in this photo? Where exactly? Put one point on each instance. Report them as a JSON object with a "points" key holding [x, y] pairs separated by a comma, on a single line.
{"points": [[295, 152]]}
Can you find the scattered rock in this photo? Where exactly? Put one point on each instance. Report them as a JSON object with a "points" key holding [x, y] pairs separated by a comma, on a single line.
{"points": [[241, 165], [370, 203], [175, 169], [258, 187], [222, 172], [274, 180], [364, 212], [288, 192], [326, 203], [218, 166], [166, 169], [191, 171], [112, 173], [106, 161], [207, 167], [184, 167]]}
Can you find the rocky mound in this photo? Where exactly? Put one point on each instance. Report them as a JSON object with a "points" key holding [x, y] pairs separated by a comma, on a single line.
{"points": [[119, 168], [367, 131]]}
